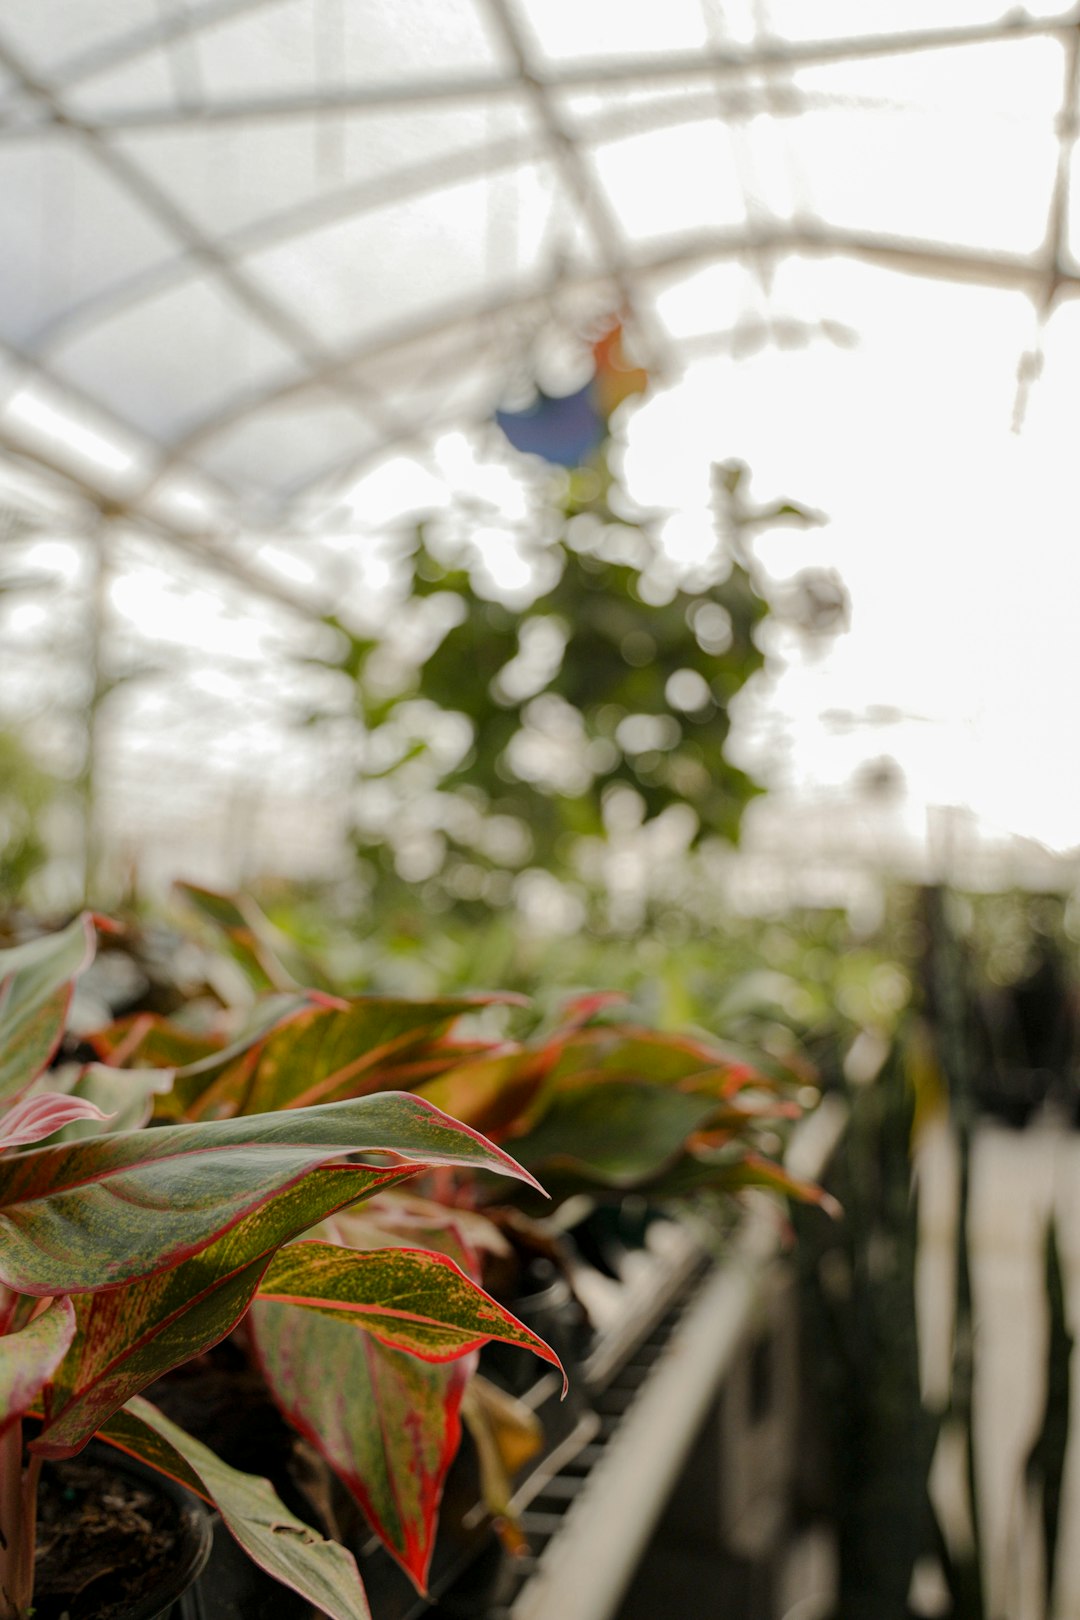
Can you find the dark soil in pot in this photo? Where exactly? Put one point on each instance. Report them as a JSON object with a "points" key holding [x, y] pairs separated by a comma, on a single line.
{"points": [[115, 1540]]}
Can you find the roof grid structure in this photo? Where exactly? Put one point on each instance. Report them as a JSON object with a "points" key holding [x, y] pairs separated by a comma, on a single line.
{"points": [[299, 205]]}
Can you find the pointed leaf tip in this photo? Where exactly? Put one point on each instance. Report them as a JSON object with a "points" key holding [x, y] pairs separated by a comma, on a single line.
{"points": [[496, 1160]]}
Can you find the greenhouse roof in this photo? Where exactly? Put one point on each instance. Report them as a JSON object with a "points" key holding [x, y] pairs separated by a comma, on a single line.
{"points": [[251, 244]]}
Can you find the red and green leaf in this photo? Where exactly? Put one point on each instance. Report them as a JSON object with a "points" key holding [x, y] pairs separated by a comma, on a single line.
{"points": [[619, 1134], [492, 1092], [386, 1422], [35, 993], [34, 1118], [363, 1046], [29, 1358], [82, 1216], [409, 1299], [147, 1040], [321, 1571], [128, 1337]]}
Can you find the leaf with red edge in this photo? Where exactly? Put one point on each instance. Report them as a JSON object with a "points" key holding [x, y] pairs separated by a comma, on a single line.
{"points": [[81, 1216], [36, 1117], [321, 1571], [409, 1299], [387, 1423], [355, 1049], [494, 1091], [619, 1134], [732, 1169], [35, 992], [627, 1052], [29, 1358], [147, 1040], [581, 1010], [128, 1337]]}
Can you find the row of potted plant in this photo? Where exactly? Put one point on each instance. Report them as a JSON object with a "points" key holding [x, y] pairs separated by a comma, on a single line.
{"points": [[244, 1164]]}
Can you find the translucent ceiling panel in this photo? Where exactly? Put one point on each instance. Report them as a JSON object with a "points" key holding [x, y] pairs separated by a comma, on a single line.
{"points": [[565, 29], [49, 31], [289, 445], [159, 78], [671, 181], [73, 231], [406, 39], [706, 300], [232, 176], [274, 48], [167, 362], [420, 261], [961, 151], [294, 44]]}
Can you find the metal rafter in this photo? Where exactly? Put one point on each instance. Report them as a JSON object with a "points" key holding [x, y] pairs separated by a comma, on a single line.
{"points": [[286, 327], [681, 67], [158, 35], [286, 225], [895, 253], [600, 221], [205, 548], [399, 185], [1043, 280], [1068, 131]]}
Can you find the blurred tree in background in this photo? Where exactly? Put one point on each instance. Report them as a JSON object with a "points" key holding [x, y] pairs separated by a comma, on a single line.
{"points": [[526, 737]]}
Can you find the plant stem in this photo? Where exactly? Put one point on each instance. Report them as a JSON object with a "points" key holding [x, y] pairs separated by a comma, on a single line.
{"points": [[29, 1530], [14, 1599]]}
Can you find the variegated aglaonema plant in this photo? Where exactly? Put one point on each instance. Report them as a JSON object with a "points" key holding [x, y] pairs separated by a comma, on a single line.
{"points": [[124, 1253], [596, 1108]]}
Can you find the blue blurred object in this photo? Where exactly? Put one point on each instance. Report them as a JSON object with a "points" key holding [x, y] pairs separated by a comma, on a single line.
{"points": [[562, 428]]}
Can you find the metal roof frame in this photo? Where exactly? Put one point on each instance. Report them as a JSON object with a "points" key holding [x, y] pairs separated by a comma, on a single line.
{"points": [[749, 72]]}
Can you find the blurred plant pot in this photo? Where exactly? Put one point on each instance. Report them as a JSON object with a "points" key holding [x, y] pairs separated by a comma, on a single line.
{"points": [[116, 1541]]}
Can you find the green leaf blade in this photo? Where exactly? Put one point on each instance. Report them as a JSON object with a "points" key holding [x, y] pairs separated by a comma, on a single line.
{"points": [[410, 1299], [387, 1423], [128, 1337], [80, 1216], [35, 992], [321, 1571]]}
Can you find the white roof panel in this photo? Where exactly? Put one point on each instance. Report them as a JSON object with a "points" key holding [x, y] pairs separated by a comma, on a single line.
{"points": [[297, 439], [247, 202], [50, 31], [71, 231], [165, 362]]}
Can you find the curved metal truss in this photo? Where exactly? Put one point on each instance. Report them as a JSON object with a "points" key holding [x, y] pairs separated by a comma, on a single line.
{"points": [[203, 325]]}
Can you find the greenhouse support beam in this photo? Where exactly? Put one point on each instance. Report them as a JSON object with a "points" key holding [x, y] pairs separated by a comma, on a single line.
{"points": [[285, 326], [196, 547], [890, 253], [683, 67], [600, 220]]}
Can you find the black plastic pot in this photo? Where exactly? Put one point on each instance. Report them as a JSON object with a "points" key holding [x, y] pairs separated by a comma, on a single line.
{"points": [[192, 1528]]}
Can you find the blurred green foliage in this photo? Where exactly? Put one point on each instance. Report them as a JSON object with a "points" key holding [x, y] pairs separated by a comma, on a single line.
{"points": [[604, 702], [25, 793]]}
